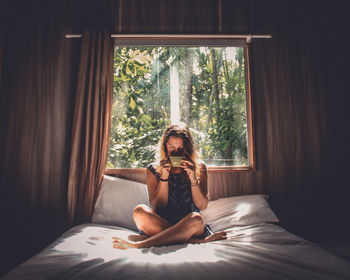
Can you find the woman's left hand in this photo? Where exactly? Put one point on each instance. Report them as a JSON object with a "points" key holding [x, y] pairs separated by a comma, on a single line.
{"points": [[189, 167]]}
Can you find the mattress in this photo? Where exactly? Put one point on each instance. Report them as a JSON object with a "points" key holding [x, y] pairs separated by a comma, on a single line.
{"points": [[258, 251]]}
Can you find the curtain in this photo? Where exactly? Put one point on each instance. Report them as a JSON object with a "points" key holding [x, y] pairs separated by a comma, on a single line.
{"points": [[2, 25], [158, 16], [37, 90], [91, 124], [1, 50]]}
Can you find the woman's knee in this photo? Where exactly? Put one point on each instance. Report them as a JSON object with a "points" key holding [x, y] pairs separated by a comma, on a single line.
{"points": [[195, 220], [141, 210], [148, 221]]}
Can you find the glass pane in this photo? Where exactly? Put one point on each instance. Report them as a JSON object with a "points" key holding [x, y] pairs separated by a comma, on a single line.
{"points": [[201, 86]]}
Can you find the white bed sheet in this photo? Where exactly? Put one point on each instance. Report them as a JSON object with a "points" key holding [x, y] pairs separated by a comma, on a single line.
{"points": [[260, 251]]}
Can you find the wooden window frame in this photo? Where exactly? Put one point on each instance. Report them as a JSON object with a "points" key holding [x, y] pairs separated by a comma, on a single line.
{"points": [[249, 105]]}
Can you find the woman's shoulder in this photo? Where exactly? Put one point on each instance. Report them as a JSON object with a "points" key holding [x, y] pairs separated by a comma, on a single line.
{"points": [[153, 168], [152, 165], [202, 164]]}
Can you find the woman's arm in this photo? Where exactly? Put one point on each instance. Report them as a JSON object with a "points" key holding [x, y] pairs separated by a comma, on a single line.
{"points": [[199, 187], [158, 190]]}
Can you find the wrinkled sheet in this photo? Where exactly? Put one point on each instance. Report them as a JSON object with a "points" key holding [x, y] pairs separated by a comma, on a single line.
{"points": [[260, 251]]}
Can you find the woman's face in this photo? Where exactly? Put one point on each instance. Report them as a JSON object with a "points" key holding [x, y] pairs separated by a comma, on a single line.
{"points": [[174, 144]]}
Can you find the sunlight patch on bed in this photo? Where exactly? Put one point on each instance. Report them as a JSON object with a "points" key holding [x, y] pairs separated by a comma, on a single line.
{"points": [[174, 254], [242, 210], [92, 243]]}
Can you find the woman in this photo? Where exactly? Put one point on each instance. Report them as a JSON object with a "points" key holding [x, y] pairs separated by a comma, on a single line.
{"points": [[176, 193]]}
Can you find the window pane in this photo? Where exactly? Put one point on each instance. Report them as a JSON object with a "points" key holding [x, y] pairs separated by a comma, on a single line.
{"points": [[204, 87]]}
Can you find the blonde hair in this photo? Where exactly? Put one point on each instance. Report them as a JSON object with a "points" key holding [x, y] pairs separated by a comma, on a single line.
{"points": [[178, 130]]}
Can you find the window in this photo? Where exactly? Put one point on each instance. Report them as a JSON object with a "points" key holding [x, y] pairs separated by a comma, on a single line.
{"points": [[204, 83]]}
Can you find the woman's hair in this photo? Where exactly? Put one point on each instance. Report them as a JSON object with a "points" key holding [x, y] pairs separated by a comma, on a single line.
{"points": [[189, 152]]}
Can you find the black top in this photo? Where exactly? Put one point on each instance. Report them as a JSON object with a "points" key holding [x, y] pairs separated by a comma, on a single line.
{"points": [[180, 201]]}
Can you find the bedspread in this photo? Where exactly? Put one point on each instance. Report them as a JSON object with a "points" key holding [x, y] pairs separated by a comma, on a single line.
{"points": [[259, 251]]}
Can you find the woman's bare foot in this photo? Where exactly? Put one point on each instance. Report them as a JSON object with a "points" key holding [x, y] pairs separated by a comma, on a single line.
{"points": [[137, 237], [119, 243]]}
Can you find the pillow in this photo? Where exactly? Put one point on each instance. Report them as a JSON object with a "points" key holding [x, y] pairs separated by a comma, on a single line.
{"points": [[116, 201], [238, 211]]}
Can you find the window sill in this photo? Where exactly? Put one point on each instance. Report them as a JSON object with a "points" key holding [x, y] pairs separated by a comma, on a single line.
{"points": [[211, 169]]}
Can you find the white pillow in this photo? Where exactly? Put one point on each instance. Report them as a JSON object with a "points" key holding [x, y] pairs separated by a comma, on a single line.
{"points": [[116, 201], [238, 211]]}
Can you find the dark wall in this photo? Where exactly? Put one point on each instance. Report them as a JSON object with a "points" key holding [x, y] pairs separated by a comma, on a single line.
{"points": [[301, 97]]}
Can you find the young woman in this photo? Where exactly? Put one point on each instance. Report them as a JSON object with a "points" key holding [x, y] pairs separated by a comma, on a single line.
{"points": [[177, 193]]}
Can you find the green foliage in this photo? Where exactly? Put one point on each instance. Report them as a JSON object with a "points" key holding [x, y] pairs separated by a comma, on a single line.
{"points": [[141, 107]]}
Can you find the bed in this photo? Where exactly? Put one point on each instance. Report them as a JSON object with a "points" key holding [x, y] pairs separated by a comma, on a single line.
{"points": [[256, 247]]}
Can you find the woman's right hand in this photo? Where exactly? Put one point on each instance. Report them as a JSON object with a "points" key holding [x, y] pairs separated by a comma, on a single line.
{"points": [[165, 169]]}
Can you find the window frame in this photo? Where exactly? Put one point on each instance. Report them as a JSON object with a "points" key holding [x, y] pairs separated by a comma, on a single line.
{"points": [[167, 39]]}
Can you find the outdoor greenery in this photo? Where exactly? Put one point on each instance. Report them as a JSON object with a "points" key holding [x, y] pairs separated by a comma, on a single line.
{"points": [[208, 85]]}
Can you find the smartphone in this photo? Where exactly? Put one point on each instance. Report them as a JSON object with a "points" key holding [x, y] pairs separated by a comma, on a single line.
{"points": [[175, 161]]}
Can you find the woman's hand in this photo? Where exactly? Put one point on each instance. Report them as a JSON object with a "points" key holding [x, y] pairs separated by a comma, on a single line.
{"points": [[189, 167], [220, 235], [165, 169]]}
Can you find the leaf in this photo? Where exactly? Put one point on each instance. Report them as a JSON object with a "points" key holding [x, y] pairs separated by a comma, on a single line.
{"points": [[146, 118], [128, 71], [132, 103], [123, 77], [140, 59], [223, 145]]}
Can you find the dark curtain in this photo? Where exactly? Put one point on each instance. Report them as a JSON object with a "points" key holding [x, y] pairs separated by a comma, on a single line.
{"points": [[157, 16], [301, 99], [289, 92], [192, 16], [35, 126], [91, 124], [1, 47]]}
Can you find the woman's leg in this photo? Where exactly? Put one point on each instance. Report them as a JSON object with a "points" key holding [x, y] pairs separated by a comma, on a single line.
{"points": [[190, 226], [148, 221]]}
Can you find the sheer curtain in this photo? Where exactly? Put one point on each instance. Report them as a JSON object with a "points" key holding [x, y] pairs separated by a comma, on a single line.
{"points": [[91, 124]]}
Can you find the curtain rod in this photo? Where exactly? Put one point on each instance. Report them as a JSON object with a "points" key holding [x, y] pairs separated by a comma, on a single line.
{"points": [[248, 37]]}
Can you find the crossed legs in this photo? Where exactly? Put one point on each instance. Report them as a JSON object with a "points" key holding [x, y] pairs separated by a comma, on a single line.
{"points": [[159, 232]]}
